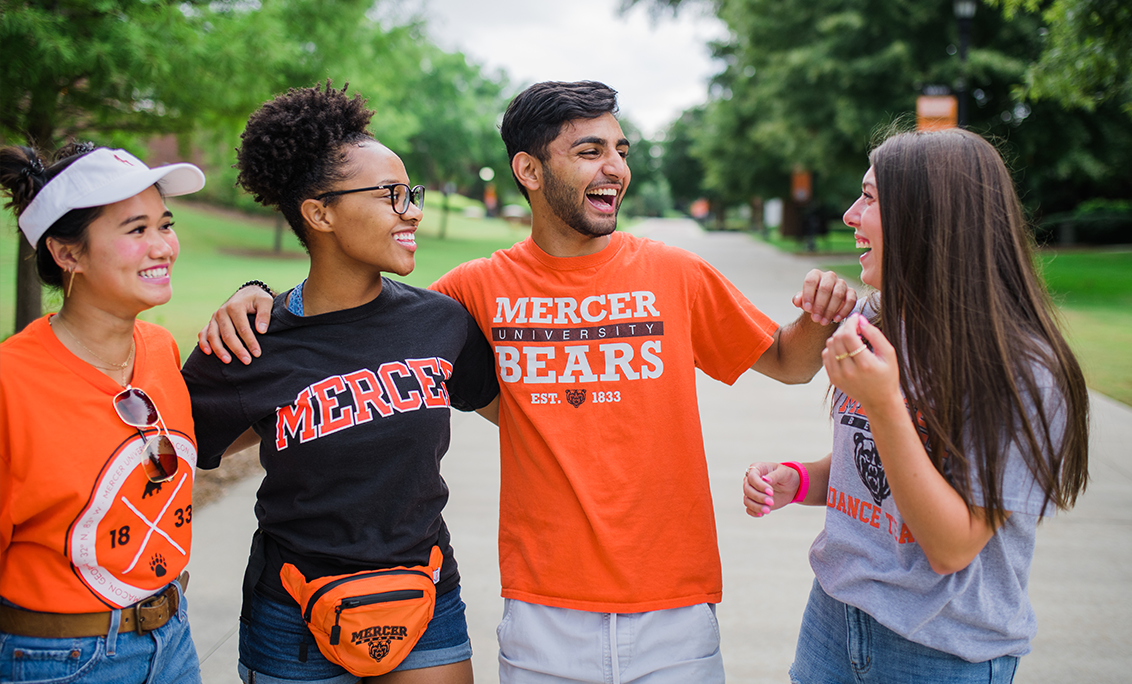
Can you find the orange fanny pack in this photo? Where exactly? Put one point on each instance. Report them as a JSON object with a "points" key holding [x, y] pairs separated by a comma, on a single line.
{"points": [[369, 621]]}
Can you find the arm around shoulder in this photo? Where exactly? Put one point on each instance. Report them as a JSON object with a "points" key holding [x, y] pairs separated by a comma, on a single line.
{"points": [[491, 411], [218, 415], [229, 331], [473, 385]]}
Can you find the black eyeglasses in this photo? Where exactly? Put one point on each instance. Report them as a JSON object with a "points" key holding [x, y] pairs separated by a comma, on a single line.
{"points": [[399, 193], [137, 410]]}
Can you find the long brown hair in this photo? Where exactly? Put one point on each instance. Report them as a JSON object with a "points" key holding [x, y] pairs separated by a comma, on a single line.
{"points": [[981, 356]]}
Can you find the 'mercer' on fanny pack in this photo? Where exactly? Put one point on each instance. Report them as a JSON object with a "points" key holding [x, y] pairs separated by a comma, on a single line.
{"points": [[369, 621]]}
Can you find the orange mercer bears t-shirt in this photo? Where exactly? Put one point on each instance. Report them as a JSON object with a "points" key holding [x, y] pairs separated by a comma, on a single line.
{"points": [[604, 500], [81, 527]]}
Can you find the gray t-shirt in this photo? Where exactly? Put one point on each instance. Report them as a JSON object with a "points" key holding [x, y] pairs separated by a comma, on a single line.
{"points": [[867, 557]]}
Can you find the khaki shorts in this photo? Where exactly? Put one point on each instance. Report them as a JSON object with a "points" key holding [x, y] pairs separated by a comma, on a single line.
{"points": [[541, 644]]}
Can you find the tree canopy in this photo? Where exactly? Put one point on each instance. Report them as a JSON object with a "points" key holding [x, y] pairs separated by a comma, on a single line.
{"points": [[811, 84], [118, 72], [1086, 56]]}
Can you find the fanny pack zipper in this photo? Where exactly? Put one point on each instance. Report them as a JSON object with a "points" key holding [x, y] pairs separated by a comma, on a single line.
{"points": [[327, 587], [366, 600]]}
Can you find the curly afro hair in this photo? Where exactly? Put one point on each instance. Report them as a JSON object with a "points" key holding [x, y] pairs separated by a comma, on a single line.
{"points": [[294, 147]]}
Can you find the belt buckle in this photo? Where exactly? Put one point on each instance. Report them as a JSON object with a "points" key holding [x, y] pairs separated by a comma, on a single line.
{"points": [[153, 602]]}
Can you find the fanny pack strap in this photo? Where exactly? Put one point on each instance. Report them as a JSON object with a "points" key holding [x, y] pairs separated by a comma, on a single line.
{"points": [[257, 561], [435, 561]]}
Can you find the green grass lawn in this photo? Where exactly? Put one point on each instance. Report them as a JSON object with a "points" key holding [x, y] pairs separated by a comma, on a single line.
{"points": [[1093, 289], [219, 251]]}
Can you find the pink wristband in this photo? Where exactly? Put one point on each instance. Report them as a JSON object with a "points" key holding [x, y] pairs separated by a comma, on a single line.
{"points": [[804, 485]]}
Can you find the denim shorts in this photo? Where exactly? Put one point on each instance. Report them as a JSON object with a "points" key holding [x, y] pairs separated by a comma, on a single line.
{"points": [[840, 643], [274, 646], [543, 644], [164, 656]]}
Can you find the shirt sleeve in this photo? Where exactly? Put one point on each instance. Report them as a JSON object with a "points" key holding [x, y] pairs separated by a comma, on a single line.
{"points": [[449, 283], [473, 384], [728, 332], [217, 410]]}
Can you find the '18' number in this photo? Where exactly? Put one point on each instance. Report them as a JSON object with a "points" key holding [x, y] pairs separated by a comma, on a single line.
{"points": [[120, 536]]}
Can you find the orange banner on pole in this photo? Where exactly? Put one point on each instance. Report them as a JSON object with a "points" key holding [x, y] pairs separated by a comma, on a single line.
{"points": [[801, 185], [936, 112]]}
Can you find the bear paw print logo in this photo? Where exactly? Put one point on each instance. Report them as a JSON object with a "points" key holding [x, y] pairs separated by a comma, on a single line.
{"points": [[576, 397], [157, 565], [869, 468]]}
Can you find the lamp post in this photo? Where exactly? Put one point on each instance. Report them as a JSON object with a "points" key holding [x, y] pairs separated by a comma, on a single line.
{"points": [[964, 12]]}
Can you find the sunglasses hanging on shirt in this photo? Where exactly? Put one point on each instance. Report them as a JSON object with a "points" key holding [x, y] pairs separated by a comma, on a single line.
{"points": [[137, 410]]}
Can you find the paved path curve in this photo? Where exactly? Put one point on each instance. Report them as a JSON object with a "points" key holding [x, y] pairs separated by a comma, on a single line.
{"points": [[1081, 584]]}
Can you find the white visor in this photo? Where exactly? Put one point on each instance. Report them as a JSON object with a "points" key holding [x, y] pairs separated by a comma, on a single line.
{"points": [[102, 177]]}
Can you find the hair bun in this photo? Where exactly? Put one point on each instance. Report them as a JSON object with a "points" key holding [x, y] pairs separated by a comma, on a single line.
{"points": [[22, 174], [34, 167]]}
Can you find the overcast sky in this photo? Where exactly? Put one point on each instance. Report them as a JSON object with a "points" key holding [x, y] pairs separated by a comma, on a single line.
{"points": [[658, 67]]}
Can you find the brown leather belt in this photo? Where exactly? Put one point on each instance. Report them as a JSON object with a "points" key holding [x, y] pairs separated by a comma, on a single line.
{"points": [[143, 616]]}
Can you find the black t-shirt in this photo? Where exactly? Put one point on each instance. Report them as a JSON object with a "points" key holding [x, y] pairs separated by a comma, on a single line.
{"points": [[352, 408]]}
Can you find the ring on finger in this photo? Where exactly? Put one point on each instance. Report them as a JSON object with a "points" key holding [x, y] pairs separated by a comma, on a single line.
{"points": [[850, 353]]}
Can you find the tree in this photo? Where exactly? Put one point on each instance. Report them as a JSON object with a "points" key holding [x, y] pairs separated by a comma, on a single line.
{"points": [[1086, 58], [454, 107], [810, 84], [698, 161], [682, 169], [112, 71], [649, 193], [295, 44], [117, 71]]}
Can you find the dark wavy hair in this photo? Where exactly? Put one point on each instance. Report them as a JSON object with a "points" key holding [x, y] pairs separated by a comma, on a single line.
{"points": [[294, 148], [23, 174], [974, 329], [536, 116]]}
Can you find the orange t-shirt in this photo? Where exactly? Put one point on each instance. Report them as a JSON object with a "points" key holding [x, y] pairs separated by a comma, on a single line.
{"points": [[604, 499], [81, 527]]}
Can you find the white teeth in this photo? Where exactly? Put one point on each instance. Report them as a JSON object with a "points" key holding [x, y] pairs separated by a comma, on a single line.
{"points": [[611, 192], [158, 272], [408, 238]]}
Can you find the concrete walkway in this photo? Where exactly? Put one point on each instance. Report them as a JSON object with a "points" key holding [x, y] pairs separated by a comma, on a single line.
{"points": [[1081, 584]]}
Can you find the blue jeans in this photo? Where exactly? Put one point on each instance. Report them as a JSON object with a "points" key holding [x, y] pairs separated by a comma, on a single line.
{"points": [[840, 644], [164, 656], [278, 647]]}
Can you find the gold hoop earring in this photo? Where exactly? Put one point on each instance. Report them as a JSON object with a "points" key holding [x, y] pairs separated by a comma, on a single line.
{"points": [[71, 282]]}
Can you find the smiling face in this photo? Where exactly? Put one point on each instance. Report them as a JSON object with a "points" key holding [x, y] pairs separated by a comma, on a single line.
{"points": [[367, 230], [864, 218], [585, 175], [128, 257]]}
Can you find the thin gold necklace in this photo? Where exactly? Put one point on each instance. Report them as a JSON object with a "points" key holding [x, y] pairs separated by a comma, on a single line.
{"points": [[109, 366]]}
